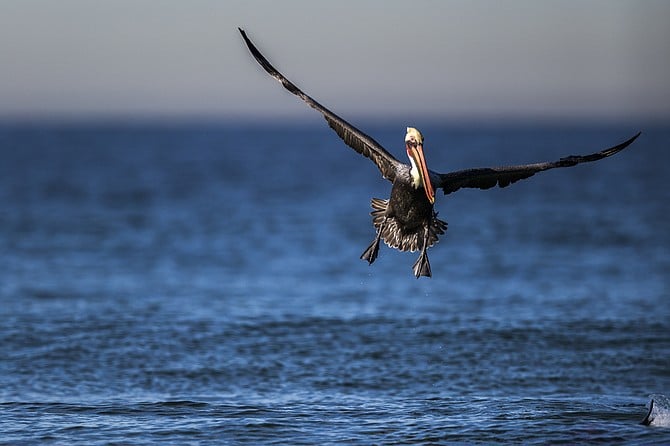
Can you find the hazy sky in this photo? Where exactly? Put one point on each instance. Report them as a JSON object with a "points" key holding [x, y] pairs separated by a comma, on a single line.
{"points": [[457, 59]]}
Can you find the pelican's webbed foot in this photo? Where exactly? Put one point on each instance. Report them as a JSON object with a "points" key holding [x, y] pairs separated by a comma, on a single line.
{"points": [[370, 254], [422, 265]]}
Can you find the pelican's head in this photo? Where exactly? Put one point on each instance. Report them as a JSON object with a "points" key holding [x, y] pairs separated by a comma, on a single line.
{"points": [[419, 172], [413, 135]]}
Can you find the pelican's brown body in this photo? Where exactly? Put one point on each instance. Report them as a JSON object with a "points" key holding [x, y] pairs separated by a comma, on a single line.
{"points": [[405, 216], [405, 227], [407, 220]]}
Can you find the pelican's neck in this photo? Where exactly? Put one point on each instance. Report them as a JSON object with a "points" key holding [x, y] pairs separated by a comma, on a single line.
{"points": [[414, 172]]}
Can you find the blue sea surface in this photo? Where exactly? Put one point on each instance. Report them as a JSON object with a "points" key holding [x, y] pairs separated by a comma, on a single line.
{"points": [[201, 284]]}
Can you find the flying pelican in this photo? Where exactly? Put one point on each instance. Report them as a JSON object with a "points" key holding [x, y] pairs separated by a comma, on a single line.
{"points": [[407, 220]]}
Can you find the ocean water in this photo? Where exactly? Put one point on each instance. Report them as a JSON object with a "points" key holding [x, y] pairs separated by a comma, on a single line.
{"points": [[201, 284]]}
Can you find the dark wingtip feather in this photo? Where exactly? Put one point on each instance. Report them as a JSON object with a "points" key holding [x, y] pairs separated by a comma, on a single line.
{"points": [[633, 138], [259, 57], [624, 144]]}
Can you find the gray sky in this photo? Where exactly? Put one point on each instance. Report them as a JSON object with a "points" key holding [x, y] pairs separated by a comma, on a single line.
{"points": [[455, 59]]}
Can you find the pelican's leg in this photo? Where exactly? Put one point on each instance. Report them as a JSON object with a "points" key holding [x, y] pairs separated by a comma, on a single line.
{"points": [[370, 254], [422, 265]]}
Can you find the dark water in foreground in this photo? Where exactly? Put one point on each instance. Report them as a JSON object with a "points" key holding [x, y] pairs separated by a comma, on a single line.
{"points": [[201, 284]]}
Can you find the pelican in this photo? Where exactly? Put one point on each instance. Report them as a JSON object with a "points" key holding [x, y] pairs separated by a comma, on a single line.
{"points": [[407, 221]]}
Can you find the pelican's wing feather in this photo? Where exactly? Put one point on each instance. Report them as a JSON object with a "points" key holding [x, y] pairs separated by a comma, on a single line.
{"points": [[487, 177], [354, 138]]}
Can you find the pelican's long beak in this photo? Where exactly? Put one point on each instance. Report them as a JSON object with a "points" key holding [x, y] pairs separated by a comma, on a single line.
{"points": [[415, 152]]}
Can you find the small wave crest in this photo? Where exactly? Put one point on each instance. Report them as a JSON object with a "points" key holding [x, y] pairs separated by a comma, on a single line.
{"points": [[659, 411]]}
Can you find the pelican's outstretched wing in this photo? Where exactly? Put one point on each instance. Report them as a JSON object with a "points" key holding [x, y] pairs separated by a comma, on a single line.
{"points": [[487, 177], [354, 138]]}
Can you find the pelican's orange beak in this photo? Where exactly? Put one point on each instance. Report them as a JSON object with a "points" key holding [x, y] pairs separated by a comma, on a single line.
{"points": [[415, 152]]}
